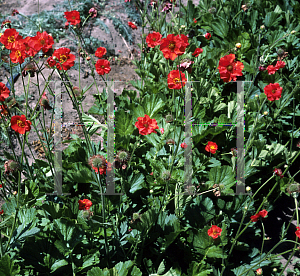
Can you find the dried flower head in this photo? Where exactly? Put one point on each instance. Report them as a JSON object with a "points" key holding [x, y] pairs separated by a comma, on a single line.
{"points": [[170, 141], [11, 166], [169, 118], [166, 175], [293, 188], [212, 10]]}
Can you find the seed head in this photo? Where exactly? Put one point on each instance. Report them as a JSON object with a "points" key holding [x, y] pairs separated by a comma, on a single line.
{"points": [[165, 175]]}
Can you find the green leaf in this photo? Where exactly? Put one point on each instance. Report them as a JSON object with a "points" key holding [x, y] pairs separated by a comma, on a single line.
{"points": [[78, 173], [214, 163], [215, 252], [8, 266], [24, 231], [272, 19], [222, 175], [220, 28], [124, 124], [68, 233], [136, 182], [58, 264], [152, 104], [92, 124]]}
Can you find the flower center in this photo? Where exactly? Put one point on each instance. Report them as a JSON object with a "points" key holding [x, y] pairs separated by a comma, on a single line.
{"points": [[102, 66], [212, 147], [63, 58], [146, 125], [176, 80], [154, 39], [20, 123], [73, 17], [18, 53], [273, 91], [172, 46], [229, 67], [11, 39], [42, 41]]}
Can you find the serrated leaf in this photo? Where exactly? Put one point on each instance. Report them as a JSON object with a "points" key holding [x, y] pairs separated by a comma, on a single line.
{"points": [[136, 182]]}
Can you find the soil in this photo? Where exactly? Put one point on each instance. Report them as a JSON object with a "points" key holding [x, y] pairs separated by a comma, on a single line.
{"points": [[122, 70]]}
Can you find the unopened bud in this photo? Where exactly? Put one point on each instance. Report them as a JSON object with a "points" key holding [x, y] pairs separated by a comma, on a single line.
{"points": [[293, 31], [256, 96], [266, 113], [238, 45], [262, 27], [248, 189]]}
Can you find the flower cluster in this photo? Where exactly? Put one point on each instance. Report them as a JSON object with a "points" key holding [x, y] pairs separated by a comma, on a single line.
{"points": [[62, 59], [102, 65], [28, 47], [272, 69], [262, 214], [230, 69]]}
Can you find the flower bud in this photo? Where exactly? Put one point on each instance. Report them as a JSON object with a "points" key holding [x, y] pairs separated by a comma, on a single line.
{"points": [[266, 113], [248, 189], [238, 45], [262, 27], [293, 31], [256, 96], [11, 166]]}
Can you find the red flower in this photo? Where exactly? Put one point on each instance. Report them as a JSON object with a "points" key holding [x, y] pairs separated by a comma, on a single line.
{"points": [[6, 22], [132, 26], [93, 12], [273, 91], [173, 46], [1, 212], [28, 50], [4, 92], [9, 37], [84, 204], [99, 164], [207, 36], [162, 131], [197, 52], [278, 172], [18, 53], [146, 125], [195, 21], [262, 214], [298, 232], [229, 69], [14, 12], [214, 231], [271, 69], [102, 66], [100, 52], [259, 271], [186, 65], [174, 79], [153, 39], [64, 58], [3, 110], [280, 64], [73, 17], [51, 62], [20, 124], [42, 41], [183, 145], [1, 186], [211, 147]]}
